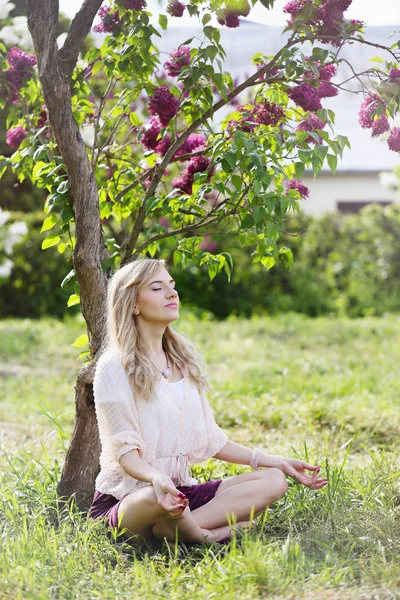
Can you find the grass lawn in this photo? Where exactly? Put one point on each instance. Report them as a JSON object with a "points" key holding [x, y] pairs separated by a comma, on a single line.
{"points": [[323, 389]]}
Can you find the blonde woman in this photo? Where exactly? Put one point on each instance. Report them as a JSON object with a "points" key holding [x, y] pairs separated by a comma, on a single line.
{"points": [[154, 420]]}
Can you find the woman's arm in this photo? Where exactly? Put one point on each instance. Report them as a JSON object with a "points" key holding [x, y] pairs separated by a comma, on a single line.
{"points": [[241, 455], [171, 499]]}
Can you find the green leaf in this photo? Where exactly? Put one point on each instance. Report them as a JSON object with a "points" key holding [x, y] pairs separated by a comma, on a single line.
{"points": [[212, 270], [97, 67], [49, 223], [376, 59], [286, 256], [211, 52], [63, 187], [237, 182], [321, 151], [81, 341], [332, 162], [40, 153], [152, 202], [177, 258], [231, 159], [304, 156], [50, 240], [62, 247], [3, 165], [247, 222], [73, 300], [68, 277], [268, 262], [163, 21], [299, 169]]}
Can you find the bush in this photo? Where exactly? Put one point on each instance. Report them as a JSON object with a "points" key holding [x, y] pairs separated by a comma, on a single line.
{"points": [[33, 287], [343, 264]]}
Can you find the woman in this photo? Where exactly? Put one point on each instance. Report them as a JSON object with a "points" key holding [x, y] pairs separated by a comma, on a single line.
{"points": [[154, 419]]}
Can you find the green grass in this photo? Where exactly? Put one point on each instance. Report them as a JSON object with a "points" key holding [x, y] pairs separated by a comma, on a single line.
{"points": [[323, 389]]}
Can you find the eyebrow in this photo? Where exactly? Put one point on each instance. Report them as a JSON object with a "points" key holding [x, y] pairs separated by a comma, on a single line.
{"points": [[171, 281]]}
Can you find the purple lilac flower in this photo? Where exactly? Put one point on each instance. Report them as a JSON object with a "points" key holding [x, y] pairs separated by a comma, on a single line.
{"points": [[22, 61], [368, 109], [228, 18], [354, 25], [326, 72], [380, 125], [164, 222], [394, 74], [135, 4], [305, 96], [151, 133], [311, 124], [164, 145], [207, 244], [42, 120], [294, 8], [109, 21], [175, 8], [177, 60], [327, 90], [183, 183], [164, 104], [229, 14], [267, 113], [198, 164], [15, 137], [296, 184], [394, 139], [21, 69], [195, 141]]}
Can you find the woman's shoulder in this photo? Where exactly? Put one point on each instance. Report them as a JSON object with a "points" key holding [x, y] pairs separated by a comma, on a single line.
{"points": [[109, 364]]}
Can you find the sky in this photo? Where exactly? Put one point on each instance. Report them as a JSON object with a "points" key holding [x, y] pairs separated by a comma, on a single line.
{"points": [[384, 12]]}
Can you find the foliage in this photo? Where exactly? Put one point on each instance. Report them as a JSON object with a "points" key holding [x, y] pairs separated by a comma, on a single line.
{"points": [[343, 265], [242, 178], [33, 288], [331, 382]]}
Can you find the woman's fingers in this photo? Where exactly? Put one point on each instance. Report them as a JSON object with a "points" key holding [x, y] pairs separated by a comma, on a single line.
{"points": [[311, 467]]}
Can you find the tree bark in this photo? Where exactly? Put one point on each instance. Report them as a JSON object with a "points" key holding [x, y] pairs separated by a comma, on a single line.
{"points": [[55, 68]]}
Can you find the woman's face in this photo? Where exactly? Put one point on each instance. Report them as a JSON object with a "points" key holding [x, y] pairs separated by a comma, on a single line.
{"points": [[157, 299]]}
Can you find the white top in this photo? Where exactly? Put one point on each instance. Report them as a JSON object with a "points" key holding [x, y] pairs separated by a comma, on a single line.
{"points": [[169, 431], [178, 387]]}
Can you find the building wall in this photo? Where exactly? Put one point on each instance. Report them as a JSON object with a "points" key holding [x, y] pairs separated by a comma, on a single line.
{"points": [[328, 190]]}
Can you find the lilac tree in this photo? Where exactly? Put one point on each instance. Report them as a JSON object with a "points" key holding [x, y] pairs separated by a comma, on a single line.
{"points": [[125, 146]]}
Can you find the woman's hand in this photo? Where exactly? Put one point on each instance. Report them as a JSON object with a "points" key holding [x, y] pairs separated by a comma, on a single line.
{"points": [[169, 498], [297, 469]]}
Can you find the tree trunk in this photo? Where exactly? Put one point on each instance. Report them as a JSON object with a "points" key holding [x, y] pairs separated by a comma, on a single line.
{"points": [[82, 460], [55, 70]]}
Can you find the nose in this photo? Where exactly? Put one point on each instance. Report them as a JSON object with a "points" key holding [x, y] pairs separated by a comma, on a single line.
{"points": [[172, 293]]}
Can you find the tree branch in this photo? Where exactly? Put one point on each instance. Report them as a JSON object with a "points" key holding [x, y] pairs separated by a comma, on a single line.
{"points": [[130, 245], [80, 27]]}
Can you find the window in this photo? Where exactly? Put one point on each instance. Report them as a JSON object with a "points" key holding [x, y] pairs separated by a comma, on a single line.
{"points": [[355, 206]]}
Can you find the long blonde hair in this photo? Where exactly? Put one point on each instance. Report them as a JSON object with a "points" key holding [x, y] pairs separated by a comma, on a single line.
{"points": [[123, 334]]}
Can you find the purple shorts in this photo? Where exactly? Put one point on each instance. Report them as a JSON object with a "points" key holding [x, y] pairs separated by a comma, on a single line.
{"points": [[106, 506]]}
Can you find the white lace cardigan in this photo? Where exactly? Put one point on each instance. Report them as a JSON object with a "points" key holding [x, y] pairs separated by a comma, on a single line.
{"points": [[167, 432]]}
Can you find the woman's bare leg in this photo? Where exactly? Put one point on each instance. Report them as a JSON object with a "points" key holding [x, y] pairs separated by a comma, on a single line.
{"points": [[240, 497], [141, 515]]}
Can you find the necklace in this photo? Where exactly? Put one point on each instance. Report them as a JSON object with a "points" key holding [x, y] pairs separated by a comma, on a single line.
{"points": [[166, 373]]}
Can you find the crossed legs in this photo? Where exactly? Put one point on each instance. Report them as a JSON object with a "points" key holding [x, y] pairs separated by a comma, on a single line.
{"points": [[237, 499]]}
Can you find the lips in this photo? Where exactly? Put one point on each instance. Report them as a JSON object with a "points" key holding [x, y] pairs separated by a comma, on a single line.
{"points": [[173, 305]]}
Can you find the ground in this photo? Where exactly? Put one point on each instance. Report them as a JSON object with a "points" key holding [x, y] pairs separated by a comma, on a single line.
{"points": [[324, 389]]}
